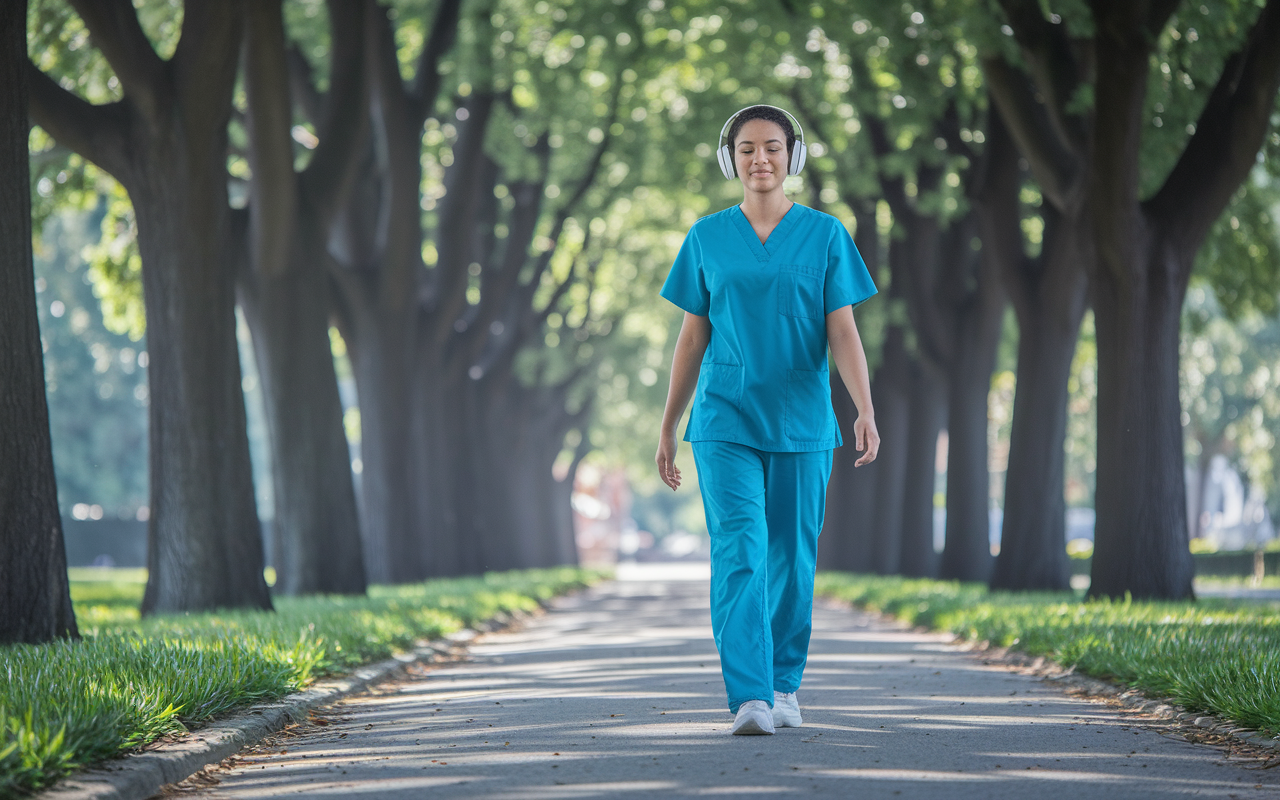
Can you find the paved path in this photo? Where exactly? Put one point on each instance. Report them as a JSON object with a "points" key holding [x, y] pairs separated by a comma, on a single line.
{"points": [[617, 693]]}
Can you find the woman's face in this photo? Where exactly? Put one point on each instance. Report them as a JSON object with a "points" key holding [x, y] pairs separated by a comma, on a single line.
{"points": [[760, 153]]}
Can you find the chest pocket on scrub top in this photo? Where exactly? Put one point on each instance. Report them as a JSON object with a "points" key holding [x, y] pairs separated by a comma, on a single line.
{"points": [[800, 291]]}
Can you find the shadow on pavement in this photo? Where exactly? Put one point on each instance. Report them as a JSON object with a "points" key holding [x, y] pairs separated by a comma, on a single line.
{"points": [[617, 692]]}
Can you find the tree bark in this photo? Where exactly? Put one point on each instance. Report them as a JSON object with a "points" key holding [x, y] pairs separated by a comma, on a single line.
{"points": [[379, 336], [204, 546], [1032, 549], [35, 602], [317, 535], [892, 390], [166, 142], [927, 410], [1140, 542], [438, 437], [966, 554], [1033, 540], [845, 542]]}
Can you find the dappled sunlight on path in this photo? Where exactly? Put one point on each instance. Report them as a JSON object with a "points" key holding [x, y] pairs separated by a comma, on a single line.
{"points": [[617, 692]]}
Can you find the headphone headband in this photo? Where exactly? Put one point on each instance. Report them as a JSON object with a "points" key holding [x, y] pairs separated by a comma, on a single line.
{"points": [[724, 154], [792, 117]]}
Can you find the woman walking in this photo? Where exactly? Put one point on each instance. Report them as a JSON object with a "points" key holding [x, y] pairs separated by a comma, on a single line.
{"points": [[766, 286]]}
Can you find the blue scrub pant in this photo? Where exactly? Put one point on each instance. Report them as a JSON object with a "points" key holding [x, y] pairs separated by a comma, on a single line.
{"points": [[764, 512]]}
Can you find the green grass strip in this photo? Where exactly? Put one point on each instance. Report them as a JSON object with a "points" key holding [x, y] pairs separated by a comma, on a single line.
{"points": [[129, 681], [1215, 656]]}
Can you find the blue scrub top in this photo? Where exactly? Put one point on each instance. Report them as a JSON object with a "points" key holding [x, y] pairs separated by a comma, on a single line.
{"points": [[764, 380]]}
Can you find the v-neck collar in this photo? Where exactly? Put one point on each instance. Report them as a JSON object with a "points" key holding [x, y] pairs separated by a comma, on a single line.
{"points": [[764, 252]]}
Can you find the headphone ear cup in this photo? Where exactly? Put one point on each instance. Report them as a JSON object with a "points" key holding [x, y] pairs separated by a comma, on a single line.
{"points": [[725, 156], [799, 154]]}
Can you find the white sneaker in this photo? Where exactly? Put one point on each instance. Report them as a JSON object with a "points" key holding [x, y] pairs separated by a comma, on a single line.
{"points": [[753, 718], [786, 710]]}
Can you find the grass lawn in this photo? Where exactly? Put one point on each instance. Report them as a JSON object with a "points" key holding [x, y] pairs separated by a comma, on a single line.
{"points": [[130, 681], [1216, 655], [1222, 583]]}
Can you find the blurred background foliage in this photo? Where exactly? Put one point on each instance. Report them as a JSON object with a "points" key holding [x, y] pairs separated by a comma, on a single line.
{"points": [[655, 80]]}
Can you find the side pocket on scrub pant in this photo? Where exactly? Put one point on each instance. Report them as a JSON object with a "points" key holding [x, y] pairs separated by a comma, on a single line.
{"points": [[719, 395], [809, 415], [800, 291]]}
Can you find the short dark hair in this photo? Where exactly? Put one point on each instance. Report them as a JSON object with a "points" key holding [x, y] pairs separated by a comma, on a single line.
{"points": [[767, 113]]}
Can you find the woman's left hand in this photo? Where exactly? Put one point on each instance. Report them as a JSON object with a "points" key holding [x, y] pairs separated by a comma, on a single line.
{"points": [[867, 439]]}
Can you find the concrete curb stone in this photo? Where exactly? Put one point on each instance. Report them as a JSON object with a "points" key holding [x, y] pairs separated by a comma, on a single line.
{"points": [[141, 775]]}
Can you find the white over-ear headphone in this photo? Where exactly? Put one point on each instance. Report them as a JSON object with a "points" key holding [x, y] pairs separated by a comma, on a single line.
{"points": [[725, 153]]}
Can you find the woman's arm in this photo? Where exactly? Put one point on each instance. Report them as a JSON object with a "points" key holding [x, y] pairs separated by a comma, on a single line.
{"points": [[851, 361], [695, 333]]}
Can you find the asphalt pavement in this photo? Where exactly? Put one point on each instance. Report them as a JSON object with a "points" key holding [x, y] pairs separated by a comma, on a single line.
{"points": [[616, 692]]}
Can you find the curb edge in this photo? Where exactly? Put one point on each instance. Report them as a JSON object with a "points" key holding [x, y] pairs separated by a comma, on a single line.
{"points": [[141, 775]]}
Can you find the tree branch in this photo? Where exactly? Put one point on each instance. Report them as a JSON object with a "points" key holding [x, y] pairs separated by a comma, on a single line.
{"points": [[204, 64], [302, 87], [390, 102], [1229, 132], [892, 187], [1158, 15], [113, 26], [1054, 68], [1052, 161], [346, 123], [814, 123], [461, 202], [96, 132], [948, 128], [273, 190], [427, 78], [996, 199]]}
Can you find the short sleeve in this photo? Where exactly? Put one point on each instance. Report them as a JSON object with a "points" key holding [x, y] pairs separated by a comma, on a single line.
{"points": [[686, 286], [848, 282]]}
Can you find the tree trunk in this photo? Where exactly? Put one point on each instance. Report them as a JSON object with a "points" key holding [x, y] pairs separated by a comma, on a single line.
{"points": [[317, 541], [845, 543], [979, 322], [204, 544], [955, 305], [928, 410], [1140, 542], [892, 391], [380, 346], [492, 446], [284, 289], [966, 554], [382, 281], [535, 486], [1210, 446], [35, 604], [1033, 540], [437, 418], [1048, 297]]}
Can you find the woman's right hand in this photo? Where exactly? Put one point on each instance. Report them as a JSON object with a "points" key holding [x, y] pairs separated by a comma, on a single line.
{"points": [[666, 460], [691, 344]]}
